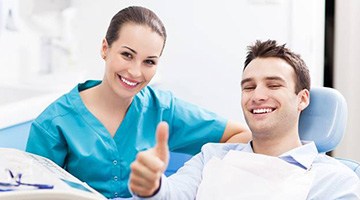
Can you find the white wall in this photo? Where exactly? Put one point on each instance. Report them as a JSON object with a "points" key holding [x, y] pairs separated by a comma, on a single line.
{"points": [[207, 40], [205, 50], [347, 71]]}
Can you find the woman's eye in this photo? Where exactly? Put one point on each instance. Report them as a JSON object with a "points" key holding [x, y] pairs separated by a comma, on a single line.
{"points": [[150, 62], [126, 55]]}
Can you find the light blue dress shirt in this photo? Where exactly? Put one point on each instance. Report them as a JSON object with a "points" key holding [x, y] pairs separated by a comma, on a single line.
{"points": [[68, 134], [333, 180]]}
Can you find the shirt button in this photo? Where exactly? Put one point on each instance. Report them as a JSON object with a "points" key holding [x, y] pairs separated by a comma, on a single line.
{"points": [[116, 194], [115, 162], [115, 178]]}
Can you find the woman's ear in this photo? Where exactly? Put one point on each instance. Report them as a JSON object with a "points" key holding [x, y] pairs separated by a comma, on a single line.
{"points": [[304, 97], [104, 48]]}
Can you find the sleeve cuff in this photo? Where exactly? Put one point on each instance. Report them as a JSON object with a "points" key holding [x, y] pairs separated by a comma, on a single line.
{"points": [[157, 194]]}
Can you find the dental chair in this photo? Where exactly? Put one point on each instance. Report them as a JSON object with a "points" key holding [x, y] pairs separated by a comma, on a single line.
{"points": [[323, 122]]}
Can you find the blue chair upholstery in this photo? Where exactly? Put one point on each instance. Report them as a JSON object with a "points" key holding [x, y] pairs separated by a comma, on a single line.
{"points": [[323, 122], [15, 136], [176, 161]]}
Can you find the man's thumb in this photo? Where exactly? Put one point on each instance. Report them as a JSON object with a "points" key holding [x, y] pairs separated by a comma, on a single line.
{"points": [[162, 135]]}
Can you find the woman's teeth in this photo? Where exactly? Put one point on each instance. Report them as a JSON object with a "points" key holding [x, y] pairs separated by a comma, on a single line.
{"points": [[127, 82]]}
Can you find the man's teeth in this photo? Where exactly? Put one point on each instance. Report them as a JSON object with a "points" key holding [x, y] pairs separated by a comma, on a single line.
{"points": [[128, 82], [262, 110]]}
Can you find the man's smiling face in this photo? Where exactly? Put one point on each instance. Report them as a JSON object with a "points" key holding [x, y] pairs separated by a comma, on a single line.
{"points": [[269, 102]]}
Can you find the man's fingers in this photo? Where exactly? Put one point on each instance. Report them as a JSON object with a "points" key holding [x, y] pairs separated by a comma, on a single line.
{"points": [[144, 177], [162, 147], [143, 180], [149, 160], [147, 169]]}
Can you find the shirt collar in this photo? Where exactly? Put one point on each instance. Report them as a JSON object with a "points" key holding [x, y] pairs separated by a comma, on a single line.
{"points": [[303, 155], [247, 148]]}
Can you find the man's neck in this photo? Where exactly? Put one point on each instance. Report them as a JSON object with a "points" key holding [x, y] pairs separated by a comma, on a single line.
{"points": [[275, 146]]}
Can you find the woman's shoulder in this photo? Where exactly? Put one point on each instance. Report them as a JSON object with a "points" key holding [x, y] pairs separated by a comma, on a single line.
{"points": [[150, 96], [62, 106]]}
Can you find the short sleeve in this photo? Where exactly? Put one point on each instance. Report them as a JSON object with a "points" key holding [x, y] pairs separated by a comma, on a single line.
{"points": [[193, 126], [42, 143]]}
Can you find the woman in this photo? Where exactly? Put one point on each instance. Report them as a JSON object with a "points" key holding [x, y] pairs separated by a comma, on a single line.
{"points": [[96, 130]]}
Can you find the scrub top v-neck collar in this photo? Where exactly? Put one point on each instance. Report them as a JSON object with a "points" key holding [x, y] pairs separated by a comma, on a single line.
{"points": [[94, 122]]}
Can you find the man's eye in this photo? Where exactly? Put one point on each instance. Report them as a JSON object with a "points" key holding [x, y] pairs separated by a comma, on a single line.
{"points": [[248, 87], [274, 86]]}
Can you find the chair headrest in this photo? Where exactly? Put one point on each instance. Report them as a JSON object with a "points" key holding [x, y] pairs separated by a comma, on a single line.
{"points": [[324, 120]]}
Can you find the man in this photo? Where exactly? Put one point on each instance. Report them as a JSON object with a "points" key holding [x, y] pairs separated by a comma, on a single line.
{"points": [[275, 89]]}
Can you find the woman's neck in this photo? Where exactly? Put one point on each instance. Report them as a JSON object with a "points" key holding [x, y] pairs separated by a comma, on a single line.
{"points": [[108, 100], [106, 106]]}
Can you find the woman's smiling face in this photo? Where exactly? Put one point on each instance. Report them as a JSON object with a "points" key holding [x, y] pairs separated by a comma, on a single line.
{"points": [[131, 60]]}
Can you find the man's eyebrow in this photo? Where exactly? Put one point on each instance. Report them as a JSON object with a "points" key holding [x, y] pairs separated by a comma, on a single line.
{"points": [[246, 80], [269, 78], [275, 78]]}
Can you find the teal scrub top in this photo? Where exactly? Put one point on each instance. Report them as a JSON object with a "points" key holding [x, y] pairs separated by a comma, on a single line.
{"points": [[70, 135]]}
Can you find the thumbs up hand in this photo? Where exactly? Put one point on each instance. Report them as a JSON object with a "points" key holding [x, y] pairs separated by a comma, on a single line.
{"points": [[149, 165]]}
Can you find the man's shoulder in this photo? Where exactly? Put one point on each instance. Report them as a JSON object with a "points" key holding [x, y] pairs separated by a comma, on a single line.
{"points": [[331, 167], [333, 180], [220, 149], [323, 160]]}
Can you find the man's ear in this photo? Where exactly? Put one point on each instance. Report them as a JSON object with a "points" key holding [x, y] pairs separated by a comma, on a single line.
{"points": [[104, 48], [304, 97]]}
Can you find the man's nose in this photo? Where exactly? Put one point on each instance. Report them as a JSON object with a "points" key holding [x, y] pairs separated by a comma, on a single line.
{"points": [[260, 94]]}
